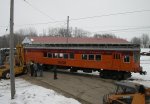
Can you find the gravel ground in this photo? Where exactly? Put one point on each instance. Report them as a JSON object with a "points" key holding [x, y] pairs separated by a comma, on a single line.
{"points": [[88, 89]]}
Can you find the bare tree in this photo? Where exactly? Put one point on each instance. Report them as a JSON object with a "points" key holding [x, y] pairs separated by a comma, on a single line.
{"points": [[145, 40], [77, 32], [43, 33], [5, 41], [31, 32], [62, 32], [136, 40], [53, 31], [27, 32]]}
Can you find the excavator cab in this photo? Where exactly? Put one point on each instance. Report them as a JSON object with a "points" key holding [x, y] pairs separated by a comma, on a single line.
{"points": [[128, 93]]}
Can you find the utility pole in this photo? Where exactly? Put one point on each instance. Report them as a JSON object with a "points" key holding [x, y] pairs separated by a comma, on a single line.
{"points": [[11, 55], [68, 26]]}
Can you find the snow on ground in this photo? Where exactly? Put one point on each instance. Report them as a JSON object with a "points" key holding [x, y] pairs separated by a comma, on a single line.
{"points": [[27, 93], [145, 49], [145, 63], [143, 79]]}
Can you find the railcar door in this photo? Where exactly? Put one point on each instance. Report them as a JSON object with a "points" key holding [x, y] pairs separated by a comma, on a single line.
{"points": [[116, 58]]}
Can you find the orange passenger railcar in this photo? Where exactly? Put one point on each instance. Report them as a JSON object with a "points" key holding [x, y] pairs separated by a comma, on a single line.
{"points": [[113, 58]]}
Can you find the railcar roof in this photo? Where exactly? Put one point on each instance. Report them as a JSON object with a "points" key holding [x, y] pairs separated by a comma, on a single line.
{"points": [[70, 40]]}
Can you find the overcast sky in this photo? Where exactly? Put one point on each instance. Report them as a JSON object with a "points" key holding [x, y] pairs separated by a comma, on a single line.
{"points": [[49, 11]]}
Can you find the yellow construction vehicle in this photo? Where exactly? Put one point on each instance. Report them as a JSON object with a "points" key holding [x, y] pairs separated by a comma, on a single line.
{"points": [[19, 67], [128, 93]]}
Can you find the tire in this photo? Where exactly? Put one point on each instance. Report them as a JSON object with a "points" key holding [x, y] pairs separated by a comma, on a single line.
{"points": [[25, 70], [6, 75]]}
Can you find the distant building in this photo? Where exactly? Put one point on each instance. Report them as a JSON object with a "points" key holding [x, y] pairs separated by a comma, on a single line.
{"points": [[27, 40]]}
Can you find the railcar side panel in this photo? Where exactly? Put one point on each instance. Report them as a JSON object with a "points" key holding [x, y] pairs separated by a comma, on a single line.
{"points": [[107, 60]]}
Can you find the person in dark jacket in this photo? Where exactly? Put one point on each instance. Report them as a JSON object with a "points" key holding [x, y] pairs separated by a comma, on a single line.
{"points": [[40, 71], [55, 72], [31, 68], [35, 69]]}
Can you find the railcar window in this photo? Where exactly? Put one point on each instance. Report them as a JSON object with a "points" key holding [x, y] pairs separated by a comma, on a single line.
{"points": [[55, 55], [49, 55], [84, 56], [44, 54], [65, 56], [71, 55], [91, 57], [126, 58], [116, 56], [98, 57], [60, 55]]}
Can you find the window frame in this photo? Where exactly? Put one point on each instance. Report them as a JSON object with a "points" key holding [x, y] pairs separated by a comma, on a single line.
{"points": [[70, 55], [125, 60], [89, 58], [55, 55], [84, 57], [48, 53], [66, 54], [100, 57]]}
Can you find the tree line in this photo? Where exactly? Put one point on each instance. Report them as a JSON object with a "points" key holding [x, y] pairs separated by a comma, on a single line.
{"points": [[143, 40], [62, 32]]}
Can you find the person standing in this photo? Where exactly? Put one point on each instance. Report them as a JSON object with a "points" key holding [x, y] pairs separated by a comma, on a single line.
{"points": [[32, 68], [40, 69], [35, 69], [55, 72]]}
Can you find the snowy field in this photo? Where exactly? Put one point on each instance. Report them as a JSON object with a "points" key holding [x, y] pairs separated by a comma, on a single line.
{"points": [[26, 93], [145, 63]]}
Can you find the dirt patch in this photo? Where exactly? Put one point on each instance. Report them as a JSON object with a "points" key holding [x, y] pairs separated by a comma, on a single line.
{"points": [[86, 89]]}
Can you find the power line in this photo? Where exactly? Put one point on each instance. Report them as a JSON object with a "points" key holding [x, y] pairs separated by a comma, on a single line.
{"points": [[35, 8], [125, 29], [112, 14], [42, 23], [121, 13]]}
